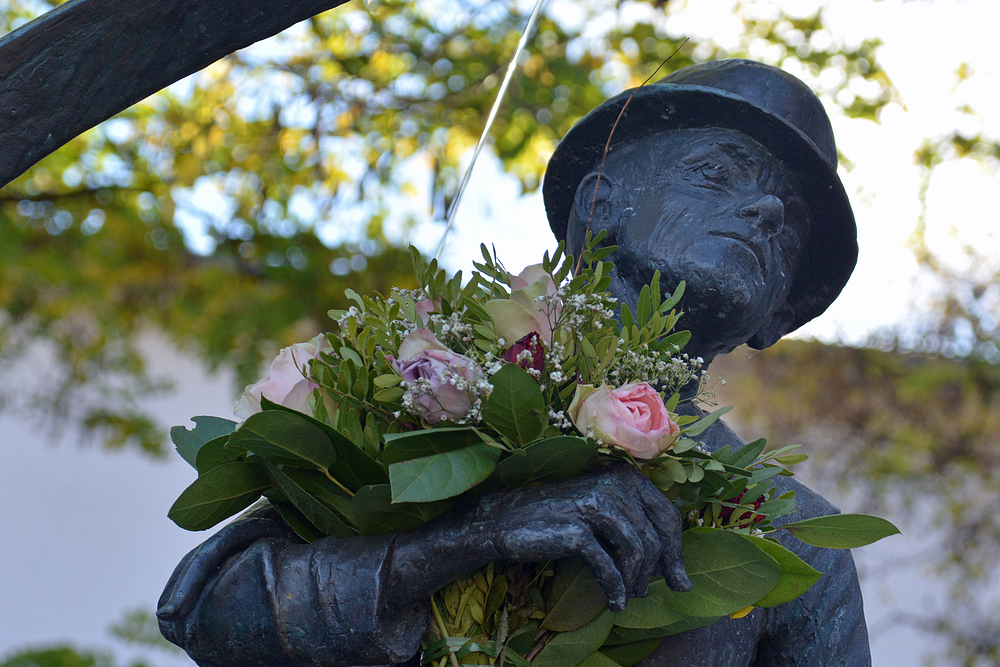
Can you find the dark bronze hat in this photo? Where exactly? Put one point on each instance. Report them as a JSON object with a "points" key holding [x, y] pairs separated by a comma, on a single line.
{"points": [[771, 106]]}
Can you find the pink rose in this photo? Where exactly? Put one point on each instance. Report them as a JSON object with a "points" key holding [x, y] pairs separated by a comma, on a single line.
{"points": [[632, 416], [287, 382], [526, 310], [440, 384]]}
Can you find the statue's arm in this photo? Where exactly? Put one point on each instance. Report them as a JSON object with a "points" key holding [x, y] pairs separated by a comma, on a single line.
{"points": [[342, 601]]}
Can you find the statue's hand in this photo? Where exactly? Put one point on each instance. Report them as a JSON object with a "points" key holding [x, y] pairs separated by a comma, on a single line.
{"points": [[190, 576]]}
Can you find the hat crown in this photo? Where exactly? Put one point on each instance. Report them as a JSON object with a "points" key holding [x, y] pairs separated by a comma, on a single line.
{"points": [[770, 89]]}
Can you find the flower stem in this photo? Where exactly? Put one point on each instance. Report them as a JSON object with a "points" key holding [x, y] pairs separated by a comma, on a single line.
{"points": [[443, 629]]}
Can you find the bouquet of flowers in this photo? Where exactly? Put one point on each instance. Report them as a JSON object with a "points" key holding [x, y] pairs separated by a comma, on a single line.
{"points": [[499, 382]]}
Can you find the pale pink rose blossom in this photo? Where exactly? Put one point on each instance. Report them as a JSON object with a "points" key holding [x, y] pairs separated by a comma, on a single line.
{"points": [[526, 310], [439, 383], [287, 382], [632, 416]]}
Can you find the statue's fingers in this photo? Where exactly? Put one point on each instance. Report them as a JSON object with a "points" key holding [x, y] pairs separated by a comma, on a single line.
{"points": [[666, 520], [623, 532], [189, 578], [586, 547]]}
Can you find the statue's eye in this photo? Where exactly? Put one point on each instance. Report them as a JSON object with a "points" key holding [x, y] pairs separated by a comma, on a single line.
{"points": [[712, 172]]}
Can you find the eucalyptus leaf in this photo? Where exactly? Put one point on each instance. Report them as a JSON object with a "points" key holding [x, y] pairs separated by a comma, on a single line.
{"points": [[747, 453], [206, 429], [727, 573], [627, 655], [575, 599], [443, 475], [568, 649], [516, 407], [219, 494], [841, 531]]}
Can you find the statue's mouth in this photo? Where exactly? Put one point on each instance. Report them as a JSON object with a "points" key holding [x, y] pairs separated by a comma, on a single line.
{"points": [[753, 247]]}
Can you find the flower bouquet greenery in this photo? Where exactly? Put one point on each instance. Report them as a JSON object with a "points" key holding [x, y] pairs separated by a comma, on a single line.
{"points": [[502, 382]]}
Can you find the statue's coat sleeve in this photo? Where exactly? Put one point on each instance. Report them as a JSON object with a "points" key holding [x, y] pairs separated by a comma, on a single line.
{"points": [[284, 603]]}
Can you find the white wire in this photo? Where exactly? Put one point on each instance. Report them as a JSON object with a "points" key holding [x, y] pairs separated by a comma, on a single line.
{"points": [[532, 20]]}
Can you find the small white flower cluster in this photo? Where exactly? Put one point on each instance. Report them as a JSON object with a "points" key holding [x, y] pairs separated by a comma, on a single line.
{"points": [[451, 329], [353, 311], [656, 368], [560, 420], [576, 310]]}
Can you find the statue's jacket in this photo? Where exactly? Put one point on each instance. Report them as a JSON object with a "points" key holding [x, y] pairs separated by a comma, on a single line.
{"points": [[282, 603]]}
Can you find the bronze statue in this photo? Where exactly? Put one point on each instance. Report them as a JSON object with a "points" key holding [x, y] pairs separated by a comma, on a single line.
{"points": [[723, 175]]}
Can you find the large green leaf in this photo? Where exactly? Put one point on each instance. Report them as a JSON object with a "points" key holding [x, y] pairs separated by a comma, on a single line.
{"points": [[424, 442], [219, 494], [516, 407], [598, 659], [627, 655], [797, 576], [215, 452], [297, 521], [375, 513], [727, 572], [353, 467], [323, 489], [443, 475], [841, 531], [569, 649], [575, 598], [546, 461], [318, 514], [285, 438], [651, 611], [206, 429]]}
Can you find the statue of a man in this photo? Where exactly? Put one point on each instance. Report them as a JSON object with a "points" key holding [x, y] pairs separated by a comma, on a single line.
{"points": [[722, 175]]}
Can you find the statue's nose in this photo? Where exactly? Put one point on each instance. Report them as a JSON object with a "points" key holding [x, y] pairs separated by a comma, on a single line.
{"points": [[766, 214]]}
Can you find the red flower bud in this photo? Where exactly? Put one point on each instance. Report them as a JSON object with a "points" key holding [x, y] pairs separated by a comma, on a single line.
{"points": [[532, 343]]}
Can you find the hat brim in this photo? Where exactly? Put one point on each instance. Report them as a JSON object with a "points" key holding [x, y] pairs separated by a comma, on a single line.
{"points": [[831, 250]]}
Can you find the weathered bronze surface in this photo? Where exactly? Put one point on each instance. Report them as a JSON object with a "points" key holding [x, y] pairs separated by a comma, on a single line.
{"points": [[723, 175]]}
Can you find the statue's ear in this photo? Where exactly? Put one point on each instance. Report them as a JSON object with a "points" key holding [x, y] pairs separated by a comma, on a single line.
{"points": [[606, 211], [773, 329]]}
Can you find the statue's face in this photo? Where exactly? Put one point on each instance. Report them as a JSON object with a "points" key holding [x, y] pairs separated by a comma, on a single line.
{"points": [[717, 210]]}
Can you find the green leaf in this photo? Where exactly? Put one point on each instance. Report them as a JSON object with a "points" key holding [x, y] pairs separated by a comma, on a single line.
{"points": [[727, 573], [389, 395], [706, 421], [598, 659], [316, 512], [216, 452], [219, 494], [568, 649], [649, 612], [620, 635], [791, 459], [747, 453], [841, 531], [297, 521], [547, 461], [353, 467], [516, 408], [442, 475], [206, 429], [797, 576], [410, 445], [627, 655], [375, 513], [285, 437], [387, 380], [575, 599]]}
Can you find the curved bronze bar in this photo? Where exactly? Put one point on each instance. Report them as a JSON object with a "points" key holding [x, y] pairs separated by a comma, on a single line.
{"points": [[87, 60]]}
